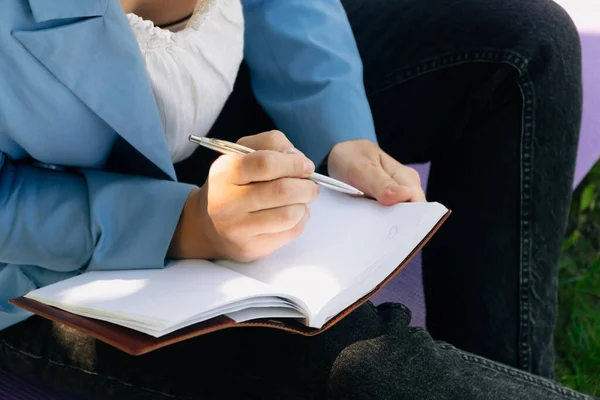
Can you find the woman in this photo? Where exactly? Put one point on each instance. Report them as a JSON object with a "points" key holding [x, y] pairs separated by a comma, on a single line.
{"points": [[88, 134]]}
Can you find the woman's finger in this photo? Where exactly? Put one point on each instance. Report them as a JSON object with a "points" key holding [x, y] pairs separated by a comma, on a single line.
{"points": [[272, 221], [272, 140], [406, 176], [277, 193], [375, 182], [279, 239], [262, 166], [263, 245]]}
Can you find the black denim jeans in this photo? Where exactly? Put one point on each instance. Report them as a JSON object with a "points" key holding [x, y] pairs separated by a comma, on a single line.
{"points": [[489, 92]]}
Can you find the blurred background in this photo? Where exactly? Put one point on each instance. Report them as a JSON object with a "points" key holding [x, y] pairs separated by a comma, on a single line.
{"points": [[578, 329]]}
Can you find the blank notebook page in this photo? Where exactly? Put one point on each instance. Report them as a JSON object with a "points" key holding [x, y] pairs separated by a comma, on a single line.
{"points": [[158, 298], [343, 239]]}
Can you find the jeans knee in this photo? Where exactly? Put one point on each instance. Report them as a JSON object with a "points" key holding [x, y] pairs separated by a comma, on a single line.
{"points": [[555, 32], [534, 28]]}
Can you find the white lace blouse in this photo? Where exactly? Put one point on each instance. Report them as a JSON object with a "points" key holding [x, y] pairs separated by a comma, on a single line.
{"points": [[192, 71]]}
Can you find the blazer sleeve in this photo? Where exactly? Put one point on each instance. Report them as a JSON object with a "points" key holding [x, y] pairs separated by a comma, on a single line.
{"points": [[66, 221], [307, 73]]}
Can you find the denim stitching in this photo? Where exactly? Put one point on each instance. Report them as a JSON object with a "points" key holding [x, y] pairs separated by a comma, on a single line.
{"points": [[520, 63], [110, 378], [447, 61], [526, 223], [515, 373]]}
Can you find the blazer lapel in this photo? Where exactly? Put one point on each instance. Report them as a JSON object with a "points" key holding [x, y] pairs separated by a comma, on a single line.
{"points": [[44, 10], [88, 45]]}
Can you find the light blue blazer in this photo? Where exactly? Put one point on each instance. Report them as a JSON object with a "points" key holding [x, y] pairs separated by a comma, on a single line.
{"points": [[86, 182]]}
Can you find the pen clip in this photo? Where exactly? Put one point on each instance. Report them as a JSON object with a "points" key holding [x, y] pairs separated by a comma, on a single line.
{"points": [[221, 146], [231, 145]]}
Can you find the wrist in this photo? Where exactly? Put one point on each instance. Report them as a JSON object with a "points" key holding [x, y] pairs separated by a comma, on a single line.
{"points": [[190, 240], [341, 148], [323, 167]]}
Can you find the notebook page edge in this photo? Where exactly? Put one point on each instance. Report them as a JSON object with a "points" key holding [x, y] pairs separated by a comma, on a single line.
{"points": [[386, 265]]}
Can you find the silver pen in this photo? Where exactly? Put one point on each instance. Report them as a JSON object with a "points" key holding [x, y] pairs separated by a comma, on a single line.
{"points": [[225, 147]]}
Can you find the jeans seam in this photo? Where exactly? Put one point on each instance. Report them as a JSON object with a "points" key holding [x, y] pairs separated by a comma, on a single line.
{"points": [[520, 63], [8, 346], [447, 61], [518, 374], [526, 279]]}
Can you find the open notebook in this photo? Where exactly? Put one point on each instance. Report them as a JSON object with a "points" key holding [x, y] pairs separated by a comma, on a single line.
{"points": [[350, 248]]}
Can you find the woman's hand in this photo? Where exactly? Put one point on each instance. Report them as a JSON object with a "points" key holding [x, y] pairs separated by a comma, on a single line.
{"points": [[251, 205], [364, 165]]}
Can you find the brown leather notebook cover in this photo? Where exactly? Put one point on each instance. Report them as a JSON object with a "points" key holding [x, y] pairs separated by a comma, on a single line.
{"points": [[138, 343]]}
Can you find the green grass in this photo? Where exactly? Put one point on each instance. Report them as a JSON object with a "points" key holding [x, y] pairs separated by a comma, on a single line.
{"points": [[578, 328]]}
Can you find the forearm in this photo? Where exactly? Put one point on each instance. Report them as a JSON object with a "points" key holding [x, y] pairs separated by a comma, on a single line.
{"points": [[190, 239], [307, 72], [68, 221]]}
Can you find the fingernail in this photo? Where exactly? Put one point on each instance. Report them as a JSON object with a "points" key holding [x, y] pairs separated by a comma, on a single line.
{"points": [[309, 167], [293, 150]]}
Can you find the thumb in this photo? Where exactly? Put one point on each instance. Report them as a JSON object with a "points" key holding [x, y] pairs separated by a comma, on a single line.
{"points": [[377, 183]]}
